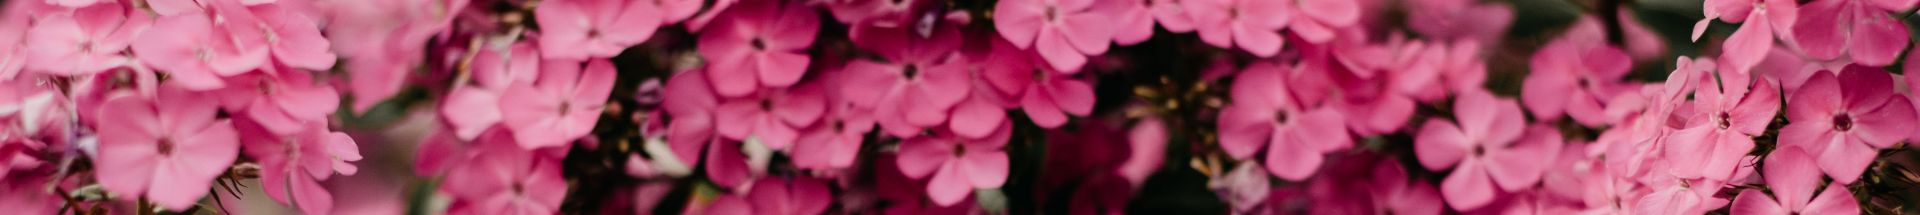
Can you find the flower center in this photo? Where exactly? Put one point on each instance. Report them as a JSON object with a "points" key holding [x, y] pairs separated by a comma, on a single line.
{"points": [[912, 71], [959, 149], [1479, 150], [1280, 117], [1725, 119], [1053, 13], [839, 125], [204, 54], [86, 47], [566, 107], [165, 147], [759, 43], [1842, 122], [766, 104]]}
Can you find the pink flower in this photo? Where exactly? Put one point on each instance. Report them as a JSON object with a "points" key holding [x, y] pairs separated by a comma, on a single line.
{"points": [[1485, 147], [957, 165], [1574, 77], [1444, 20], [85, 41], [1791, 174], [775, 196], [293, 37], [166, 149], [916, 87], [1264, 113], [1318, 21], [1394, 193], [1751, 43], [505, 179], [470, 111], [690, 105], [293, 165], [835, 143], [1843, 120], [1046, 96], [563, 105], [1728, 115], [581, 29], [1252, 25], [1064, 32], [284, 103], [1863, 30], [760, 44], [774, 117], [195, 52]]}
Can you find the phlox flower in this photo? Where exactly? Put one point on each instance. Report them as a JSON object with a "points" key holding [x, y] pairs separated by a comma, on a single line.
{"points": [[1843, 120], [773, 117], [776, 196], [1252, 25], [581, 29], [506, 179], [1393, 192], [1764, 20], [1574, 77], [956, 165], [1064, 32], [1792, 175], [85, 41], [382, 41], [563, 105], [1864, 31], [283, 103], [167, 149], [759, 44], [195, 53], [1485, 146], [1046, 96], [917, 85], [1459, 20], [293, 165], [835, 142], [1265, 113], [689, 104], [293, 38], [1319, 21], [1728, 115]]}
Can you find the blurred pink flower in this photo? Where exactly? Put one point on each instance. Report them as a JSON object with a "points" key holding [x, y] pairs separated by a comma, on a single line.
{"points": [[956, 165], [799, 195], [293, 165], [916, 87], [294, 38], [1264, 113], [563, 105], [166, 149], [1754, 40], [1864, 31], [85, 41], [187, 50], [506, 179], [760, 44], [582, 29], [1792, 176], [1318, 21], [1844, 120], [1393, 192], [284, 103], [1485, 147], [1046, 96], [1064, 32], [774, 117], [1574, 77], [835, 142], [1459, 20], [1252, 25]]}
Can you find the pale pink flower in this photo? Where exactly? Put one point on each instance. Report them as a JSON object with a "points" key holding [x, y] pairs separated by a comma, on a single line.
{"points": [[957, 165], [1264, 113], [506, 179], [1792, 176], [760, 44], [293, 165], [1844, 120], [1865, 31], [1064, 32], [293, 38], [563, 105], [1485, 147], [774, 117], [166, 149], [1728, 115], [1252, 25], [86, 41], [582, 29], [195, 53], [1574, 77]]}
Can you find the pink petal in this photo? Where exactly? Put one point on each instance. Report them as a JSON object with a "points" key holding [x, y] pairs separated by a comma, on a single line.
{"points": [[1822, 34], [1439, 145], [1877, 39], [1887, 125], [975, 118], [1792, 175], [1041, 108], [1058, 52], [1748, 45], [985, 168], [1260, 42], [1519, 166], [1816, 100], [1754, 202], [1292, 158], [1243, 130], [1835, 200], [176, 189], [922, 157], [310, 196], [1072, 95], [781, 69], [949, 186], [1090, 32], [1468, 187], [1019, 21], [1846, 159]]}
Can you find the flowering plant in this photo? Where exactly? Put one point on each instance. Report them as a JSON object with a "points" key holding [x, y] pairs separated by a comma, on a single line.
{"points": [[958, 106]]}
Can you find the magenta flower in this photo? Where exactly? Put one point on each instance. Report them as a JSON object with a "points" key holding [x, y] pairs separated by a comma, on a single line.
{"points": [[1843, 120], [1574, 77], [1252, 25], [774, 117], [775, 196], [759, 44], [690, 104], [1485, 147], [86, 41], [1318, 21], [916, 87], [1765, 20], [293, 165], [561, 106], [957, 165], [1727, 117], [195, 53], [835, 143], [1264, 113], [582, 29], [506, 179], [166, 149], [1793, 176], [284, 103], [1394, 193], [1064, 32], [1046, 96], [1865, 31]]}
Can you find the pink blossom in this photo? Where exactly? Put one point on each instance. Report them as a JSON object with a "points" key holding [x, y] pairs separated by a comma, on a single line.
{"points": [[835, 142], [1574, 77], [293, 165], [1864, 31], [1046, 96], [690, 104], [1264, 113], [1147, 142], [956, 165], [166, 149], [581, 29], [188, 50], [1485, 147], [1318, 21], [1064, 32], [293, 38], [85, 41], [773, 117], [382, 41], [1843, 120], [775, 196], [759, 44], [1754, 40], [470, 111], [1459, 20], [284, 103], [1252, 25], [506, 179], [1792, 175], [561, 106], [916, 87], [1728, 115]]}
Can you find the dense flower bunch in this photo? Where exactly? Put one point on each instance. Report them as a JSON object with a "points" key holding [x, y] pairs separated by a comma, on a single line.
{"points": [[955, 107]]}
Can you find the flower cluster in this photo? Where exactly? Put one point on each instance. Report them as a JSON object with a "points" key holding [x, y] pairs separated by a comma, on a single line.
{"points": [[955, 107]]}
